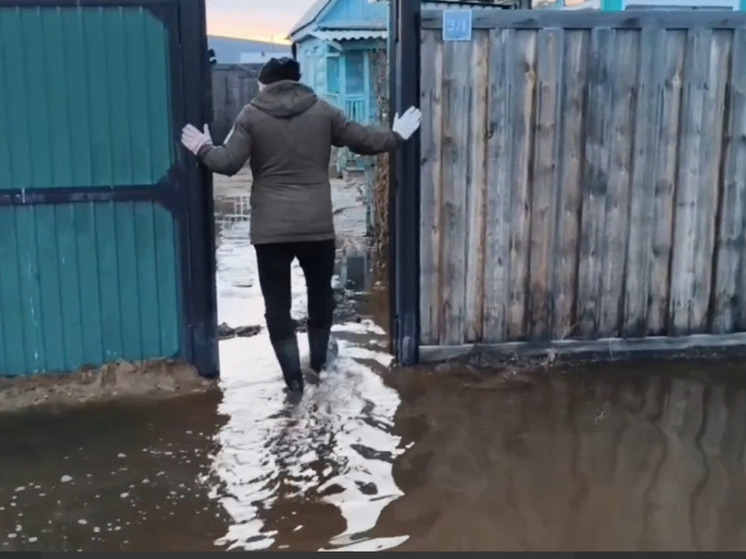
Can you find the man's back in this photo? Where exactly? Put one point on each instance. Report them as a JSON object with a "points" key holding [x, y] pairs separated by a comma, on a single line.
{"points": [[287, 133]]}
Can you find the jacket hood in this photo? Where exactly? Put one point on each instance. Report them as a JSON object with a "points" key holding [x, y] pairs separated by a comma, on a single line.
{"points": [[285, 99]]}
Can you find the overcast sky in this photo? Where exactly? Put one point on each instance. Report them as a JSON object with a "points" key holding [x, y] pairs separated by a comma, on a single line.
{"points": [[254, 19]]}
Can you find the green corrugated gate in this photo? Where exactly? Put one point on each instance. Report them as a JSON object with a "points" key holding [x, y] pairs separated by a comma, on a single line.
{"points": [[106, 245]]}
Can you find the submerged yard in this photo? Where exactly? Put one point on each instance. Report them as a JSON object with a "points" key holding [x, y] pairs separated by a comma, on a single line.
{"points": [[605, 457]]}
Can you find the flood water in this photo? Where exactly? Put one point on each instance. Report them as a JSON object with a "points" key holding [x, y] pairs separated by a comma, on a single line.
{"points": [[622, 457]]}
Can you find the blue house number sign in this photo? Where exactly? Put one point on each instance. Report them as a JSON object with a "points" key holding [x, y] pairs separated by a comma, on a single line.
{"points": [[457, 25]]}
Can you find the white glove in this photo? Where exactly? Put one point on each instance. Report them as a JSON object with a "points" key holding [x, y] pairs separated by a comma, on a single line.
{"points": [[194, 140], [408, 123]]}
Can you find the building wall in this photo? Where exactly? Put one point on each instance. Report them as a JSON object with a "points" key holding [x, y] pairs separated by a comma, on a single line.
{"points": [[312, 58], [346, 78]]}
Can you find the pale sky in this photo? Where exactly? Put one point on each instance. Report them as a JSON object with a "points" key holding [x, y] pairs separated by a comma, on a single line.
{"points": [[254, 19]]}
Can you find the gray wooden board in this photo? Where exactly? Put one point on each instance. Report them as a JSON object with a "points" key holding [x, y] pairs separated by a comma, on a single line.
{"points": [[570, 162], [595, 179], [498, 219], [430, 191], [457, 72], [522, 66], [648, 121], [728, 311], [476, 186], [545, 179]]}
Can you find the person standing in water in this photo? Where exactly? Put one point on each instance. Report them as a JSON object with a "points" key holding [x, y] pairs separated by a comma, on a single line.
{"points": [[286, 134]]}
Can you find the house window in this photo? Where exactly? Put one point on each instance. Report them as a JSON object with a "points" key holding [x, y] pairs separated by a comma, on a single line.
{"points": [[355, 73], [332, 75]]}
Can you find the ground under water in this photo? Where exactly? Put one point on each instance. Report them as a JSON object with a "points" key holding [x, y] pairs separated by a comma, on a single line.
{"points": [[604, 457]]}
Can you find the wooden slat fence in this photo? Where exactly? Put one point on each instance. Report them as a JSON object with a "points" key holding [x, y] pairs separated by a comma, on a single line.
{"points": [[233, 87], [583, 177]]}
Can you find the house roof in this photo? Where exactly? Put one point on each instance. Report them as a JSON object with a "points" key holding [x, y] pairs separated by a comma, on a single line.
{"points": [[351, 35], [311, 14], [308, 24]]}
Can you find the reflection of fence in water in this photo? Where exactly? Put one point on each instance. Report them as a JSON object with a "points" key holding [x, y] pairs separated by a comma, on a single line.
{"points": [[652, 463]]}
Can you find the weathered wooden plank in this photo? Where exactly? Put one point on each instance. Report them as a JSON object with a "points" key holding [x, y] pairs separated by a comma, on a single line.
{"points": [[665, 184], [570, 160], [595, 178], [476, 186], [545, 179], [609, 348], [690, 179], [522, 65], [729, 312], [648, 122], [498, 211], [430, 180], [708, 194], [616, 229], [457, 75]]}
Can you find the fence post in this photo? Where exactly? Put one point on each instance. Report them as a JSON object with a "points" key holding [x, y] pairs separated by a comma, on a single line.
{"points": [[200, 243], [404, 66]]}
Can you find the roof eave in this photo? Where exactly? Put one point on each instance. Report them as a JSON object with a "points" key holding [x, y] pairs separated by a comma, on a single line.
{"points": [[302, 32]]}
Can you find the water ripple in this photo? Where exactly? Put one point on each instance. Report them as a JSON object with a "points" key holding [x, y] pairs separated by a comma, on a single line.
{"points": [[335, 448]]}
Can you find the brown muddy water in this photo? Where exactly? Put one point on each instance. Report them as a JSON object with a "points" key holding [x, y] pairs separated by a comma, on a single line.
{"points": [[622, 458], [603, 457]]}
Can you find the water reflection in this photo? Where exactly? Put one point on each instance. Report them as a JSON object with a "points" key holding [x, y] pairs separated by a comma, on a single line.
{"points": [[607, 457], [309, 476], [637, 459]]}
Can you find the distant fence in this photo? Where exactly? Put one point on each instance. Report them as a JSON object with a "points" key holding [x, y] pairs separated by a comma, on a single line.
{"points": [[583, 177], [233, 87]]}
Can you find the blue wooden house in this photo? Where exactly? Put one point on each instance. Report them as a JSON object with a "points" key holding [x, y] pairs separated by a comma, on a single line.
{"points": [[338, 43]]}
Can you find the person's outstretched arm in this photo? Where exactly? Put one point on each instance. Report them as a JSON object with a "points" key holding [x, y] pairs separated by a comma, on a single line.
{"points": [[372, 140], [227, 159]]}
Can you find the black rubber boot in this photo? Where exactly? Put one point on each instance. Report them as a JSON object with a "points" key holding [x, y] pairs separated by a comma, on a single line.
{"points": [[289, 358], [321, 350]]}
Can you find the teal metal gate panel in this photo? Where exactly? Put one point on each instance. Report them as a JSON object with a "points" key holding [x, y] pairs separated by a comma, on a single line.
{"points": [[102, 221], [87, 284]]}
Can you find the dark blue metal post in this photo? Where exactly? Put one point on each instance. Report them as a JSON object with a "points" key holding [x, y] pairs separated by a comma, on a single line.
{"points": [[404, 68], [197, 94]]}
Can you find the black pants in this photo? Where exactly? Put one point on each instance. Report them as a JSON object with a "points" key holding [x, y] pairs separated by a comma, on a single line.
{"points": [[316, 258]]}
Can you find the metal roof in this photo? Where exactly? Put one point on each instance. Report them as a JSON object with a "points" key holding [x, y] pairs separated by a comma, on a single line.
{"points": [[351, 35], [311, 14]]}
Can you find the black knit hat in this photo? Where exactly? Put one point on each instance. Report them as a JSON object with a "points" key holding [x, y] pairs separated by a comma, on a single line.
{"points": [[279, 69]]}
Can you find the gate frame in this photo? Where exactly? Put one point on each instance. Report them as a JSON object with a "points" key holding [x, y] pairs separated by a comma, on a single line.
{"points": [[404, 187], [189, 195]]}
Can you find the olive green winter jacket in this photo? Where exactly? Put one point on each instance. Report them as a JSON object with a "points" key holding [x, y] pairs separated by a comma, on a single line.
{"points": [[286, 133]]}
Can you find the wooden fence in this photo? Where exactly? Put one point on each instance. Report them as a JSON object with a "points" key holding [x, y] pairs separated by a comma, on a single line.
{"points": [[583, 177], [233, 87]]}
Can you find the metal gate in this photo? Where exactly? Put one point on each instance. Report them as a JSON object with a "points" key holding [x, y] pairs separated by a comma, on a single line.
{"points": [[106, 237]]}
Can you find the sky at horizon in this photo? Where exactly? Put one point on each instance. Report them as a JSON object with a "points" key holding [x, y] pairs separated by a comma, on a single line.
{"points": [[263, 20]]}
